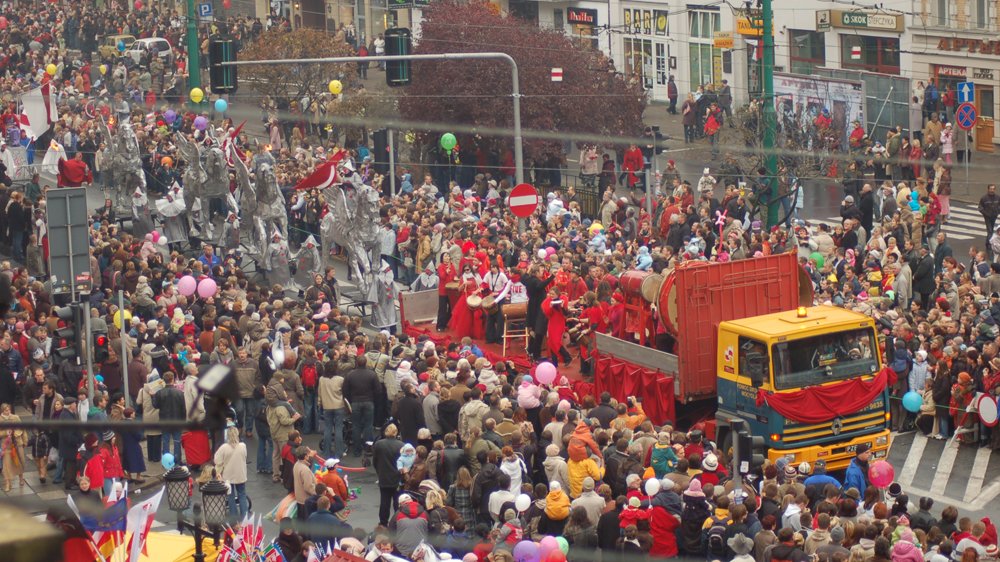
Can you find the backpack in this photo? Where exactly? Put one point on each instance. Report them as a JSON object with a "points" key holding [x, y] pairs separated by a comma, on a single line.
{"points": [[309, 375], [715, 541]]}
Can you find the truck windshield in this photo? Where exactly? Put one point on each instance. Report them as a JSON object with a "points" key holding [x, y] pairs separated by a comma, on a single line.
{"points": [[825, 358]]}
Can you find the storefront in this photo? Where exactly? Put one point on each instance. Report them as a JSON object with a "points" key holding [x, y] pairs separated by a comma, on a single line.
{"points": [[863, 40], [646, 52], [947, 60], [582, 25]]}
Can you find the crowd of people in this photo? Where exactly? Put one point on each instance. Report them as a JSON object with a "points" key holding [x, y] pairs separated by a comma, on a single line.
{"points": [[473, 456]]}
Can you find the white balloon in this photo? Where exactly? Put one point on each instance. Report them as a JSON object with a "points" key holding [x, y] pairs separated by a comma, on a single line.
{"points": [[522, 503], [542, 254], [163, 240], [652, 487]]}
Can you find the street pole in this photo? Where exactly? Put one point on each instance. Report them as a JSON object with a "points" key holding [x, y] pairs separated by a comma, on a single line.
{"points": [[770, 117], [194, 52], [514, 77], [88, 349], [392, 161], [735, 425], [121, 337]]}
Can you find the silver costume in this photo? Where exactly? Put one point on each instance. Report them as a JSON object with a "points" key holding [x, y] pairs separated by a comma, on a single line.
{"points": [[352, 224], [123, 164]]}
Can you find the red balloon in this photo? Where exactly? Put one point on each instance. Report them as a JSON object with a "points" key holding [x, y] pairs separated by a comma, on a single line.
{"points": [[556, 556], [138, 5], [227, 4]]}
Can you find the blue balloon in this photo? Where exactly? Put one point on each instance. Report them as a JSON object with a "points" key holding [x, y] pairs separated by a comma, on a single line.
{"points": [[912, 401], [221, 105], [167, 460], [121, 46]]}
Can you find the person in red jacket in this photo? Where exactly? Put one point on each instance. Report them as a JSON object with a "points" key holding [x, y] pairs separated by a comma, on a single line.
{"points": [[111, 461], [632, 162], [663, 526], [93, 463], [75, 172], [446, 274]]}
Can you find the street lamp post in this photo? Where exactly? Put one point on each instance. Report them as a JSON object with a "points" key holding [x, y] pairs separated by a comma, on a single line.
{"points": [[194, 54]]}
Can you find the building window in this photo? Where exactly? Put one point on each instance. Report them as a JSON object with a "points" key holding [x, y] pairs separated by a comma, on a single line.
{"points": [[661, 64], [941, 12], [807, 50], [985, 95], [981, 14], [639, 61], [557, 20], [875, 54], [705, 60]]}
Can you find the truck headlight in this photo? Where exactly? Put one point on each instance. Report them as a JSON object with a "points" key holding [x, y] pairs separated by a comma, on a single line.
{"points": [[882, 440]]}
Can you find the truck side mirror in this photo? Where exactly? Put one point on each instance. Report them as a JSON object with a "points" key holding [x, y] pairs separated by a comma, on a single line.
{"points": [[756, 366]]}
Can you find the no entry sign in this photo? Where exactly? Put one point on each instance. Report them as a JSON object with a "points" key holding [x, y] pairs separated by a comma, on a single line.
{"points": [[523, 200]]}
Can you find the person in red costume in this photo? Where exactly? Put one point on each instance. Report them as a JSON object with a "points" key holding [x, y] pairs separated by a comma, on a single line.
{"points": [[75, 172], [552, 308], [466, 321], [632, 162], [446, 274]]}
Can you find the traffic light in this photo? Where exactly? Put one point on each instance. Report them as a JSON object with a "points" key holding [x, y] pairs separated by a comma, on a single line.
{"points": [[67, 338], [101, 347], [753, 450], [398, 41], [223, 78]]}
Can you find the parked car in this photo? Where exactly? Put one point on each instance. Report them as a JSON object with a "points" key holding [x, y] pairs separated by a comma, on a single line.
{"points": [[150, 46], [109, 45]]}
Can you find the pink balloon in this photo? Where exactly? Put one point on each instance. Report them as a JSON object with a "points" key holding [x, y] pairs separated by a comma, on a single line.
{"points": [[549, 250], [881, 474], [207, 288], [156, 236], [546, 373], [187, 285], [547, 545]]}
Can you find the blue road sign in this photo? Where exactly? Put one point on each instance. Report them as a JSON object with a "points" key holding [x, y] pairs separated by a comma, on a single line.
{"points": [[205, 10], [965, 116], [966, 92]]}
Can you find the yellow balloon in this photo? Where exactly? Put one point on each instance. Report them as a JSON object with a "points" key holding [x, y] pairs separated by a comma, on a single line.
{"points": [[336, 87], [197, 95], [118, 318], [51, 69], [103, 68], [595, 227]]}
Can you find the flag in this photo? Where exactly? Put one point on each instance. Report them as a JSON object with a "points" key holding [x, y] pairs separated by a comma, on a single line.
{"points": [[325, 175], [108, 529], [272, 554], [140, 520], [40, 109], [312, 555]]}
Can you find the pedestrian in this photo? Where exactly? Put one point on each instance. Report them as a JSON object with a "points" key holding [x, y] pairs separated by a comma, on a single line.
{"points": [[384, 456], [169, 401], [672, 95], [689, 118], [133, 463], [332, 406], [231, 461]]}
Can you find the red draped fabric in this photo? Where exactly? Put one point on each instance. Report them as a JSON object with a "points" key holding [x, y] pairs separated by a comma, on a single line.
{"points": [[817, 404], [623, 379]]}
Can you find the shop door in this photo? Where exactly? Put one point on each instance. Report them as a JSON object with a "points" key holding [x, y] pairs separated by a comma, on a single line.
{"points": [[984, 126]]}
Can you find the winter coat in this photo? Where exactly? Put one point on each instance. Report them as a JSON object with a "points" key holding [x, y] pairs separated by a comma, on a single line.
{"points": [[556, 470], [410, 526], [663, 526], [528, 396]]}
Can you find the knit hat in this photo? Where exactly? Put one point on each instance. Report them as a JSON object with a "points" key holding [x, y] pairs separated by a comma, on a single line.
{"points": [[634, 501], [90, 441], [404, 498], [552, 450], [710, 463], [588, 484], [837, 535], [790, 471], [663, 438], [509, 515], [108, 435], [694, 489], [804, 468], [853, 493]]}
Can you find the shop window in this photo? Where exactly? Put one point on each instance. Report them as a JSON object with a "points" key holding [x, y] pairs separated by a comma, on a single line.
{"points": [[661, 64], [877, 54], [807, 51], [639, 61]]}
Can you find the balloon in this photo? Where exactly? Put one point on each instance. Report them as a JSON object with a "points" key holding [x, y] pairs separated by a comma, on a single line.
{"points": [[542, 254], [652, 487], [556, 555], [200, 123], [187, 285], [99, 378], [163, 240], [563, 545], [549, 250], [818, 258], [51, 69], [197, 95], [103, 68], [121, 46], [207, 288], [138, 5], [594, 227], [522, 503], [336, 87], [167, 460], [563, 405], [169, 115], [118, 318], [912, 401], [221, 105], [547, 545], [545, 372], [167, 162], [881, 474], [3, 22], [525, 551], [448, 141]]}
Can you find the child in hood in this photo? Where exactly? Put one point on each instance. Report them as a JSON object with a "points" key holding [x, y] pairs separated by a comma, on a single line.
{"points": [[511, 532], [528, 394], [407, 455], [556, 503], [632, 513]]}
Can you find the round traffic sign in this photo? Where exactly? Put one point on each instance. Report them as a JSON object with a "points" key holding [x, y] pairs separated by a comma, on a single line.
{"points": [[987, 406], [523, 200], [965, 116]]}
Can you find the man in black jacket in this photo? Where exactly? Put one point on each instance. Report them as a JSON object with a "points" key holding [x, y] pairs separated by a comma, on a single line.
{"points": [[604, 413], [360, 388], [170, 401], [452, 459], [923, 276], [69, 441], [384, 457], [410, 414]]}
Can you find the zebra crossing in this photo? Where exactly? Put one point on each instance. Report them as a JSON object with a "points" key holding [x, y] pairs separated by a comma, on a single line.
{"points": [[964, 223], [945, 470]]}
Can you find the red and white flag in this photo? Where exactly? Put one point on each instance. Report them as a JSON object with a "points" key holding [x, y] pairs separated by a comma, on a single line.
{"points": [[325, 175], [39, 111], [139, 522]]}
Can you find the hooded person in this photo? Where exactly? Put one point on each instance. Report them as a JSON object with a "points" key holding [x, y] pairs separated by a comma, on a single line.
{"points": [[644, 261], [426, 281], [556, 469], [175, 214], [662, 457], [906, 550], [55, 154], [307, 263], [385, 314], [409, 524], [276, 261], [142, 220], [556, 511], [8, 167]]}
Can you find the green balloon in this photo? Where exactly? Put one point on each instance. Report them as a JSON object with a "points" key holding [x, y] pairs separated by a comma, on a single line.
{"points": [[563, 544], [818, 257], [448, 141]]}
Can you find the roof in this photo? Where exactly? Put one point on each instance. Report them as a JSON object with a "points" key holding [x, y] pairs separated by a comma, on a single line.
{"points": [[788, 324]]}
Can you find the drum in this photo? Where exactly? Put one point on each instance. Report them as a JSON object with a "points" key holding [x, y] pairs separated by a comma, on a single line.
{"points": [[474, 301], [490, 304], [650, 288], [516, 311], [631, 282], [453, 286]]}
